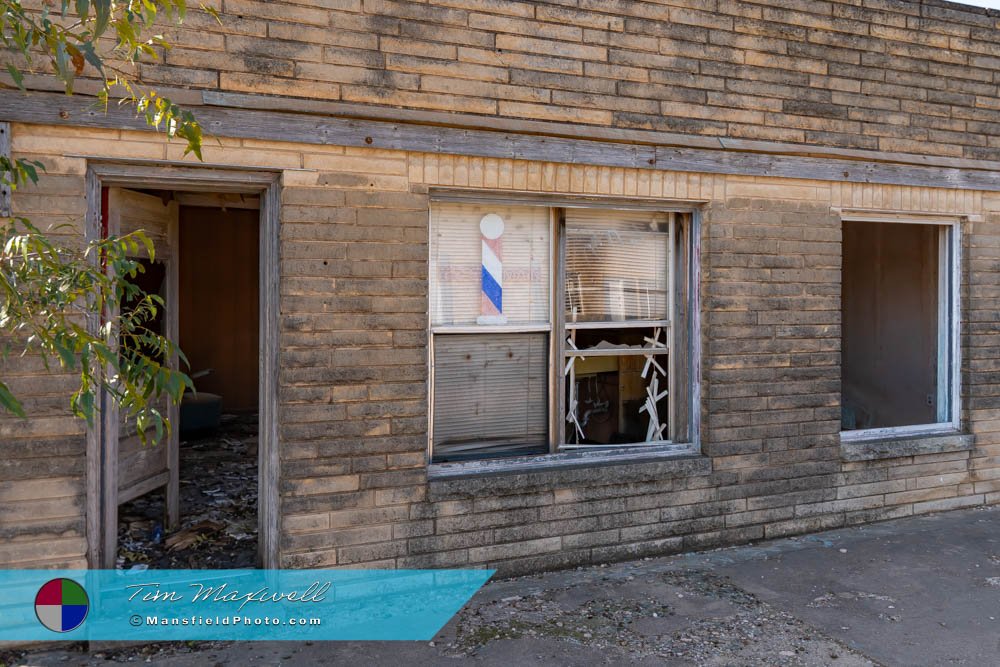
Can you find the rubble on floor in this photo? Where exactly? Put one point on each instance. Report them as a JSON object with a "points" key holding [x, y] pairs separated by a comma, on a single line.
{"points": [[218, 487]]}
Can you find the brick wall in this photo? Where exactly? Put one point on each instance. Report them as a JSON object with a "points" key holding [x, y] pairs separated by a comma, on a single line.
{"points": [[42, 459], [353, 400], [886, 75]]}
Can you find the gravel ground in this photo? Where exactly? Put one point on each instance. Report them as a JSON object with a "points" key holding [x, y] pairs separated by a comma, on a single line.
{"points": [[629, 613], [644, 615]]}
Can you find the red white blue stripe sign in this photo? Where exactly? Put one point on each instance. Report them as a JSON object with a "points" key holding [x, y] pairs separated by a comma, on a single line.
{"points": [[491, 311]]}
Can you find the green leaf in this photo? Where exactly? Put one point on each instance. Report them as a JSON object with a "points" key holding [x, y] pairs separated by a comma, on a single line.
{"points": [[9, 402], [87, 48], [212, 12], [17, 76], [60, 302], [83, 8], [102, 14]]}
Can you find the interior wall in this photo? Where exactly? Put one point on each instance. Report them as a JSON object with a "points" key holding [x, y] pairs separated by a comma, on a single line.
{"points": [[219, 302], [890, 321]]}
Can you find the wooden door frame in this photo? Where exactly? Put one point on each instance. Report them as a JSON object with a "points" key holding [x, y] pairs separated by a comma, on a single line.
{"points": [[102, 482]]}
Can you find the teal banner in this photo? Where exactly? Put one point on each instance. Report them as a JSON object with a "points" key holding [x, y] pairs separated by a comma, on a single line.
{"points": [[169, 605]]}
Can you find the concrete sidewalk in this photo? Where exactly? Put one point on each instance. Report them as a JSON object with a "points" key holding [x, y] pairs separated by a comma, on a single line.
{"points": [[916, 591]]}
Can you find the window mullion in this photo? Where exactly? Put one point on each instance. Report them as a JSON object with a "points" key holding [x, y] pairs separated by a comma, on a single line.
{"points": [[557, 397], [671, 334], [943, 328]]}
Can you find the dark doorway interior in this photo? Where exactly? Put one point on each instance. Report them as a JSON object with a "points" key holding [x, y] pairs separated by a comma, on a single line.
{"points": [[219, 305], [218, 313]]}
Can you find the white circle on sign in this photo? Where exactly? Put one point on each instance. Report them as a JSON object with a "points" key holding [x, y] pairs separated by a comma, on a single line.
{"points": [[491, 226]]}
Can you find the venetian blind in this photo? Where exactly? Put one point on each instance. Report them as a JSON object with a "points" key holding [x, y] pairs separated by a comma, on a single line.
{"points": [[617, 265], [490, 395], [456, 255]]}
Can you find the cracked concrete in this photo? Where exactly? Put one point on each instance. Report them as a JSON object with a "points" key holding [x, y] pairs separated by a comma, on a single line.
{"points": [[916, 591]]}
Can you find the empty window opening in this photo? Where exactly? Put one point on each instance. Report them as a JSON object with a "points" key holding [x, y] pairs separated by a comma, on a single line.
{"points": [[207, 244], [897, 303]]}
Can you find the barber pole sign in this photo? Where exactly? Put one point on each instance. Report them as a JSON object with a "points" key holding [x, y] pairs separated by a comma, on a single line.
{"points": [[491, 311]]}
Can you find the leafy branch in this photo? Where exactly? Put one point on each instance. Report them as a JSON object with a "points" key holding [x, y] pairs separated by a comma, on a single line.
{"points": [[80, 307], [70, 39], [64, 305]]}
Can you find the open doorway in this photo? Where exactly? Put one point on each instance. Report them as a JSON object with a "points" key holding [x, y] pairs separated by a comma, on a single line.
{"points": [[205, 496], [214, 523]]}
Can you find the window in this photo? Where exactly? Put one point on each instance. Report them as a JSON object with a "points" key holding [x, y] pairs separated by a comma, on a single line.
{"points": [[899, 347], [556, 329]]}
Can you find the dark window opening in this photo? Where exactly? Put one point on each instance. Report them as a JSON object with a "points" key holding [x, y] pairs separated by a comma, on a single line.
{"points": [[896, 327]]}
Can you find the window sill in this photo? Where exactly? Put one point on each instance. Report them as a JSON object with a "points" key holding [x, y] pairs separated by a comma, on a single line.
{"points": [[687, 459], [898, 447]]}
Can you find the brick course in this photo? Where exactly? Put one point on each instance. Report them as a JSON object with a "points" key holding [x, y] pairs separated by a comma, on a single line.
{"points": [[903, 76]]}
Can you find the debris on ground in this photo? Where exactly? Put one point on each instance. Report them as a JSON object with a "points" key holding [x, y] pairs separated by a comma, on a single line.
{"points": [[673, 617], [218, 487], [631, 613], [196, 534]]}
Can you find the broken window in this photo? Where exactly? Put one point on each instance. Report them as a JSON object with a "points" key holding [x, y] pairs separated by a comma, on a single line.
{"points": [[898, 307], [614, 284], [620, 326]]}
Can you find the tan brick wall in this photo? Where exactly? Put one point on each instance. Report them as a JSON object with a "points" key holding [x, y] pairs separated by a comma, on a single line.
{"points": [[42, 459], [353, 397], [887, 75]]}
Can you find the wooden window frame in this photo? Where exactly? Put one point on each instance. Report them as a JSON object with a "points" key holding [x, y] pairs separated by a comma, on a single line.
{"points": [[949, 362], [558, 451]]}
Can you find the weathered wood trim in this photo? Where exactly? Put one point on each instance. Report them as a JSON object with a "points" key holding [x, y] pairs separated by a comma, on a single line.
{"points": [[173, 409], [145, 486], [4, 152], [268, 508], [452, 119], [111, 424], [95, 433], [890, 448], [671, 454], [553, 200], [577, 131], [174, 176], [557, 306], [906, 217], [695, 344], [46, 108], [153, 162], [215, 200]]}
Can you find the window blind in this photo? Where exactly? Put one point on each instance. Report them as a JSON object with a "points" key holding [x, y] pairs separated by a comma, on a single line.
{"points": [[616, 265], [456, 269], [490, 395]]}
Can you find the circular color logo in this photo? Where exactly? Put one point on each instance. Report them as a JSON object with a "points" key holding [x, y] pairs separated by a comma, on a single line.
{"points": [[62, 605]]}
